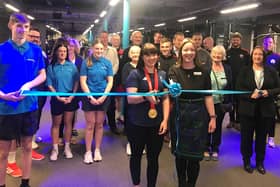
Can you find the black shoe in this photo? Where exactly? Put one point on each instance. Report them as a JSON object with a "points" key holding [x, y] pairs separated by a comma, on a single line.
{"points": [[236, 126], [75, 132], [115, 131], [248, 168], [261, 169], [230, 125], [22, 185]]}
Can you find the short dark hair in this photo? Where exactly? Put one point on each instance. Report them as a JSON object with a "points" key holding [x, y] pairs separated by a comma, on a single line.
{"points": [[267, 37], [34, 29], [178, 34], [197, 34]]}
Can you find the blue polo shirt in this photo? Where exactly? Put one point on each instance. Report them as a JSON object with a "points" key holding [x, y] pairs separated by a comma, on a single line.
{"points": [[138, 113], [62, 76], [18, 65], [97, 74]]}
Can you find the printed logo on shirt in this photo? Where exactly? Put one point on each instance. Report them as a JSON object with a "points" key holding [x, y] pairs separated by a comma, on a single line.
{"points": [[144, 79], [30, 60], [103, 67], [272, 61], [241, 56], [197, 73]]}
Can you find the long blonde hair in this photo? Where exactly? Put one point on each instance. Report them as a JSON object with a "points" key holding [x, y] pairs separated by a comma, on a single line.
{"points": [[89, 59]]}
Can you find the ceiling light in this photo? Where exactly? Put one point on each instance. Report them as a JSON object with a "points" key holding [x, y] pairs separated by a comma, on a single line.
{"points": [[96, 21], [53, 29], [113, 2], [30, 17], [103, 13], [86, 31], [186, 19], [240, 8], [11, 7], [159, 25], [131, 30], [141, 28]]}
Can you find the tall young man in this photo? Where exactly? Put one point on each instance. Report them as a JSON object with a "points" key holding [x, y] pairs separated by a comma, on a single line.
{"points": [[18, 114]]}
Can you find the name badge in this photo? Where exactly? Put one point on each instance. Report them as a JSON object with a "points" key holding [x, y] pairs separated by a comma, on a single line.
{"points": [[197, 73]]}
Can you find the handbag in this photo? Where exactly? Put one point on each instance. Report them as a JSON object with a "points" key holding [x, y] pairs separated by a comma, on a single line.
{"points": [[225, 107]]}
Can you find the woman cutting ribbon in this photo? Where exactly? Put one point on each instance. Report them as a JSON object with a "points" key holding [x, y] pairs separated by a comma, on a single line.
{"points": [[189, 130], [147, 116]]}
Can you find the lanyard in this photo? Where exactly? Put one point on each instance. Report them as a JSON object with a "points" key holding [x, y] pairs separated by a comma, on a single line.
{"points": [[152, 105]]}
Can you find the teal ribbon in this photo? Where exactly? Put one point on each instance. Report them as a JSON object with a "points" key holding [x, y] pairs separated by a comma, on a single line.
{"points": [[48, 93], [174, 90], [223, 92]]}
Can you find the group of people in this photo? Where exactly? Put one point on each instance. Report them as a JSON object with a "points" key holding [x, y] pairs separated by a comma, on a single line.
{"points": [[194, 121]]}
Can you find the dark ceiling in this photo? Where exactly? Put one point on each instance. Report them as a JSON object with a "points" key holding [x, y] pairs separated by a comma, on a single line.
{"points": [[74, 16]]}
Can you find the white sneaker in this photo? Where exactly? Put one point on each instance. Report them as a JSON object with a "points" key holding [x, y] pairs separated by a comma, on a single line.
{"points": [[144, 151], [34, 145], [128, 149], [67, 153], [97, 156], [54, 155], [271, 143], [88, 157]]}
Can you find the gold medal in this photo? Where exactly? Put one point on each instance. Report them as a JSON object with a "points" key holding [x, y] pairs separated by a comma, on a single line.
{"points": [[152, 113]]}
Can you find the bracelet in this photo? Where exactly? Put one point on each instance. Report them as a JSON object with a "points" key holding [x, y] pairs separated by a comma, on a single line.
{"points": [[213, 116]]}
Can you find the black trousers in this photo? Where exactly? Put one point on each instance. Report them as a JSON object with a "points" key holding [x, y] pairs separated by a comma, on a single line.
{"points": [[41, 102], [271, 128], [187, 168], [111, 113], [249, 125], [214, 139], [233, 115], [139, 137]]}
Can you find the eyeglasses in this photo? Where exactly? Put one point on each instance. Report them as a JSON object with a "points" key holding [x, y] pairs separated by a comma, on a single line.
{"points": [[33, 36]]}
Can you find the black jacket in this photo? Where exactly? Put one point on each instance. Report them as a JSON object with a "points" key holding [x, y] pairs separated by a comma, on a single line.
{"points": [[237, 58], [265, 105]]}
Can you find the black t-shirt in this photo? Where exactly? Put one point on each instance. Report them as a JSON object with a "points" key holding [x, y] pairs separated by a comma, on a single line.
{"points": [[127, 68], [166, 62], [237, 58], [191, 79], [138, 113]]}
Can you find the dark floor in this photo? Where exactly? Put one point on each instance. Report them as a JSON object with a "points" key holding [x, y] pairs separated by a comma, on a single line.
{"points": [[114, 169]]}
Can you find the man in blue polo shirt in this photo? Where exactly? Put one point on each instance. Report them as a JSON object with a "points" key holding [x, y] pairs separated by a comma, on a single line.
{"points": [[272, 59], [21, 68]]}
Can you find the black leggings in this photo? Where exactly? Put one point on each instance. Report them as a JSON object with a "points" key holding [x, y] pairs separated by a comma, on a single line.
{"points": [[186, 168], [139, 137]]}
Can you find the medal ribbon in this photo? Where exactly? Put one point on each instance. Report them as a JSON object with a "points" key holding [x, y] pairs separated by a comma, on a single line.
{"points": [[152, 105]]}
